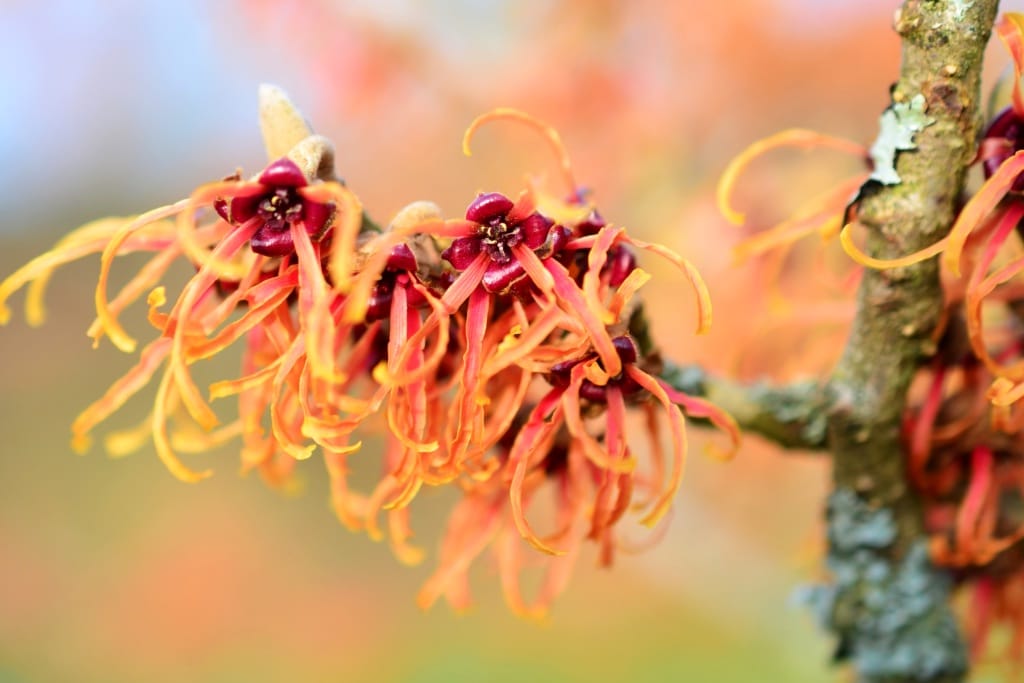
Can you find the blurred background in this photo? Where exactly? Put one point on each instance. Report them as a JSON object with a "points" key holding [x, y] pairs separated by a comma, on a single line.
{"points": [[113, 571]]}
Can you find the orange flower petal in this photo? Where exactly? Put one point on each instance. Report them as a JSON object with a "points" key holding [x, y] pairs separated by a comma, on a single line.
{"points": [[183, 310], [854, 252], [273, 293], [700, 289], [150, 360], [979, 206], [161, 440], [97, 232], [146, 278], [700, 408], [189, 236], [519, 346], [822, 214], [549, 133], [627, 290], [574, 424], [466, 406], [345, 227], [679, 446], [534, 438], [794, 137], [471, 527], [573, 302], [596, 258]]}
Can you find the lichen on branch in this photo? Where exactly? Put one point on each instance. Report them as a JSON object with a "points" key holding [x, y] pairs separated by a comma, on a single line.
{"points": [[789, 415]]}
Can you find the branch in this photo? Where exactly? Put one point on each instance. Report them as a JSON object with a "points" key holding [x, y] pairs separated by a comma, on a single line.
{"points": [[791, 416], [889, 605]]}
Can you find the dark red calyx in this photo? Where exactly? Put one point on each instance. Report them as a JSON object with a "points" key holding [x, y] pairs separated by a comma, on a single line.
{"points": [[462, 252], [560, 373], [1003, 137], [626, 348], [591, 224], [399, 271], [488, 207], [283, 173], [401, 259], [621, 262]]}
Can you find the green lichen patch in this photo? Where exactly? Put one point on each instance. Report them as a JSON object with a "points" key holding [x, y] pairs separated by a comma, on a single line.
{"points": [[891, 617]]}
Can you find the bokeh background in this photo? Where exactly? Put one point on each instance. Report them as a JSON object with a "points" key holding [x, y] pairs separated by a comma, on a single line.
{"points": [[113, 571]]}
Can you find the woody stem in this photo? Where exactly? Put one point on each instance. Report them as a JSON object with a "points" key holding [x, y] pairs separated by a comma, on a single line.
{"points": [[877, 541]]}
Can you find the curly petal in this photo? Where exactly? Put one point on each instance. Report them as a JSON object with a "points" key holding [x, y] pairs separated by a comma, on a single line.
{"points": [[549, 133], [794, 137]]}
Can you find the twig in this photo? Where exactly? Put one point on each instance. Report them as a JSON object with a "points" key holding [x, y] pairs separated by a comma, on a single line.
{"points": [[791, 415]]}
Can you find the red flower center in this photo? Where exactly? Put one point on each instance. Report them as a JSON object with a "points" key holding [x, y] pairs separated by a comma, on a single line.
{"points": [[276, 200], [498, 238], [280, 207], [500, 229]]}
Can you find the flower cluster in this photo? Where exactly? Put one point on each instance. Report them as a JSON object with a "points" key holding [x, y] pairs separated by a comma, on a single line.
{"points": [[499, 351], [963, 458]]}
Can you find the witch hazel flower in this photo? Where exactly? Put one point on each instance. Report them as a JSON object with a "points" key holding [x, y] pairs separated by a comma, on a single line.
{"points": [[502, 228], [781, 257], [505, 254], [541, 373], [253, 245], [499, 353], [581, 385], [274, 202]]}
